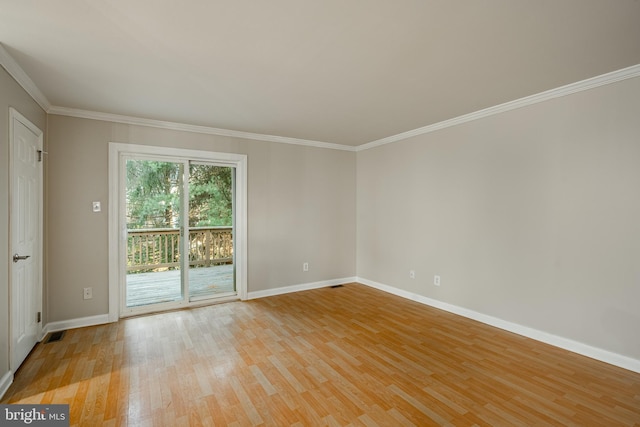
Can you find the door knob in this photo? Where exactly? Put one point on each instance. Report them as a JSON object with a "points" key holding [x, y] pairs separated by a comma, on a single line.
{"points": [[17, 257]]}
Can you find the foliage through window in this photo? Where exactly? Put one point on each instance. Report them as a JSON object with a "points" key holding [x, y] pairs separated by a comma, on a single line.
{"points": [[154, 192]]}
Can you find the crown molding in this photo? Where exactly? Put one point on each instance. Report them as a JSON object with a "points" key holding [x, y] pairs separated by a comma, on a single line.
{"points": [[12, 67], [15, 71], [117, 118], [591, 83]]}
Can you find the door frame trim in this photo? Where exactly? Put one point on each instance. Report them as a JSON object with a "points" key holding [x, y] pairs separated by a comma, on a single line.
{"points": [[15, 115], [116, 151]]}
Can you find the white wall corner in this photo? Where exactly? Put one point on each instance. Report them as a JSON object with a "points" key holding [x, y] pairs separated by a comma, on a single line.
{"points": [[545, 337], [5, 383], [298, 288]]}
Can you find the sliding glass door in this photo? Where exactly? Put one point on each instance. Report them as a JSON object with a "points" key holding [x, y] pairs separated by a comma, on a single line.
{"points": [[179, 217], [154, 219], [211, 221]]}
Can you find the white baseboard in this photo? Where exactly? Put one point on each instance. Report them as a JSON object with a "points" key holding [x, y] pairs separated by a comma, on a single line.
{"points": [[545, 337], [5, 383], [81, 322], [298, 288]]}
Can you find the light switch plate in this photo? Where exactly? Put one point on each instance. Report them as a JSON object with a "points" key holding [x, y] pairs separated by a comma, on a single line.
{"points": [[96, 207]]}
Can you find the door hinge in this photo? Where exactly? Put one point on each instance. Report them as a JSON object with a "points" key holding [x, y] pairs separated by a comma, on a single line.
{"points": [[39, 317], [40, 153]]}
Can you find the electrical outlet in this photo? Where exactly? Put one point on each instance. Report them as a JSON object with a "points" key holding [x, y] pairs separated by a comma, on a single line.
{"points": [[88, 293], [412, 274], [436, 280], [305, 266]]}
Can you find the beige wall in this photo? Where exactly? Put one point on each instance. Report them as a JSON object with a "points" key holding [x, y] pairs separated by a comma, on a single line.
{"points": [[301, 207], [530, 216], [11, 95]]}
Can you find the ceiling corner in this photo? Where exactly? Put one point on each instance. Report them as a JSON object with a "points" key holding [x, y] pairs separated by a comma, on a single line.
{"points": [[12, 67]]}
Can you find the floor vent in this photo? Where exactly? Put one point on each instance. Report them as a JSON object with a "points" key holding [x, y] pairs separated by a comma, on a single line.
{"points": [[336, 286], [55, 336]]}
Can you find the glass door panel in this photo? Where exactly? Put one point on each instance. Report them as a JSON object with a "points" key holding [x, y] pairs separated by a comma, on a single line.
{"points": [[211, 221], [153, 201]]}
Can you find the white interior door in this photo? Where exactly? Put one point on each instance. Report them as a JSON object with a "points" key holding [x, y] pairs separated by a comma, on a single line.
{"points": [[26, 234]]}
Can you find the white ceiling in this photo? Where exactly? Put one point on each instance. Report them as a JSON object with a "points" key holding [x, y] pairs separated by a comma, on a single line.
{"points": [[346, 72]]}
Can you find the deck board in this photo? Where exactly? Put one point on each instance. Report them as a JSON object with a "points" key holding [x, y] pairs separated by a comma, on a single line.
{"points": [[164, 286]]}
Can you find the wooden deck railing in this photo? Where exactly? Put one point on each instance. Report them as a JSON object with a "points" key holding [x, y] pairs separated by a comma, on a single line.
{"points": [[159, 248]]}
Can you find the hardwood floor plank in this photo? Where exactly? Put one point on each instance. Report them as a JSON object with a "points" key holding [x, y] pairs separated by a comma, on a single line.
{"points": [[399, 418], [419, 405], [335, 357], [246, 403]]}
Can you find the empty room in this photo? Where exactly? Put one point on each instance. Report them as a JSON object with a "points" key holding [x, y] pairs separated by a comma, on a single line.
{"points": [[320, 213]]}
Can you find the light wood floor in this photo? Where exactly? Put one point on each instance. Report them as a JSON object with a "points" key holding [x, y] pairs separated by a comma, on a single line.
{"points": [[345, 356]]}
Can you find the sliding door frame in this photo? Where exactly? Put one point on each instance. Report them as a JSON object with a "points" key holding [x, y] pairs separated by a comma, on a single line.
{"points": [[118, 230]]}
